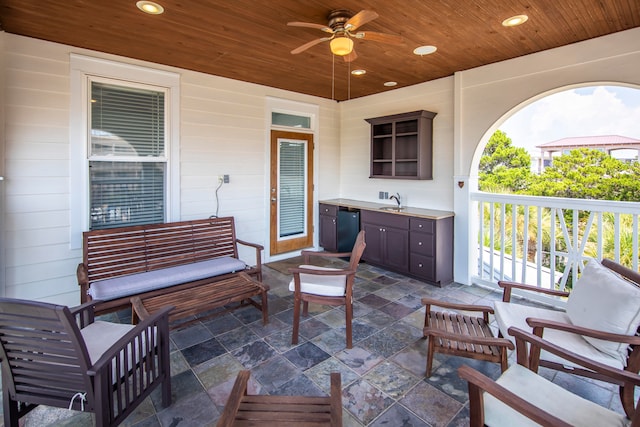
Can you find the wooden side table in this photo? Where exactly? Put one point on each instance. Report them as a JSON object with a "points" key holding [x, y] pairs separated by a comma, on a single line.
{"points": [[451, 332]]}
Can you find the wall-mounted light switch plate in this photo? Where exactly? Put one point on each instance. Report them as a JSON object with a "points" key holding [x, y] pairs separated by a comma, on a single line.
{"points": [[225, 179], [381, 195], [386, 194]]}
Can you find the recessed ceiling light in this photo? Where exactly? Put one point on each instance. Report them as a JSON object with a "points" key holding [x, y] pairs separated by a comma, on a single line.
{"points": [[390, 84], [515, 20], [358, 72], [424, 50], [150, 7]]}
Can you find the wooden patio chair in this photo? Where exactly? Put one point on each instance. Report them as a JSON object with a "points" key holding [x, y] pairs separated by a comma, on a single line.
{"points": [[456, 332], [56, 356], [520, 397], [600, 322], [325, 285], [281, 411]]}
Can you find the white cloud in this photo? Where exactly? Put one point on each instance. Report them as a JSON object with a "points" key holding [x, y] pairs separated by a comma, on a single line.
{"points": [[601, 110]]}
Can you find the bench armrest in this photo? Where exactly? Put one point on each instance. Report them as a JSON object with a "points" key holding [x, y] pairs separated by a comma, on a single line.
{"points": [[83, 281], [259, 249], [508, 286]]}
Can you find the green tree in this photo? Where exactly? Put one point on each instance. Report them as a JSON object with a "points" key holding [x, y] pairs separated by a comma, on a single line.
{"points": [[504, 168], [588, 174]]}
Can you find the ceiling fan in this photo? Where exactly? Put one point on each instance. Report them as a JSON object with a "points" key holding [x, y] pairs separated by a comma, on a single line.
{"points": [[342, 25]]}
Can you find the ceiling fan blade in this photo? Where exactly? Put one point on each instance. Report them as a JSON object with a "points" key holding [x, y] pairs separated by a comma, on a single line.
{"points": [[310, 25], [380, 37], [351, 57], [360, 19], [309, 44]]}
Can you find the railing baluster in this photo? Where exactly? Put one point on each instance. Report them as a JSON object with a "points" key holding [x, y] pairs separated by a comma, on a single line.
{"points": [[611, 229]]}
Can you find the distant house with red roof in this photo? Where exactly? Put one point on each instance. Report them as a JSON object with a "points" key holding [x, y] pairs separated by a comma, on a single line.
{"points": [[620, 147]]}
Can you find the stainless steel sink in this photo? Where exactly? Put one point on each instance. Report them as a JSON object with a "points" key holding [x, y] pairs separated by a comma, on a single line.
{"points": [[391, 209]]}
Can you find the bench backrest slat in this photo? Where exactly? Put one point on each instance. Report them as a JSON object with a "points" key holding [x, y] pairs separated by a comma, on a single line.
{"points": [[135, 249]]}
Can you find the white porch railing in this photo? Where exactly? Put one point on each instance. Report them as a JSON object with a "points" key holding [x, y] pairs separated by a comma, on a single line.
{"points": [[546, 241]]}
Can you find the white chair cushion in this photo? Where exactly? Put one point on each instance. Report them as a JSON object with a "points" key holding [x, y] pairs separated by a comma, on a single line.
{"points": [[328, 286], [548, 396], [604, 301], [100, 336], [514, 314]]}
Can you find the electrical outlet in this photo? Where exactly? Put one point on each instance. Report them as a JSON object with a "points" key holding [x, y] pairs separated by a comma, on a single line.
{"points": [[225, 179], [220, 179], [386, 194]]}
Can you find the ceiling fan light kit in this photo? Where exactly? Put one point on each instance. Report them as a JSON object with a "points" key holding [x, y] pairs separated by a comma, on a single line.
{"points": [[341, 46]]}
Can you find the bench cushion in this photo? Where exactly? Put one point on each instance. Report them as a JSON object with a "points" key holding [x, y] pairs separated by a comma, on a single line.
{"points": [[134, 284]]}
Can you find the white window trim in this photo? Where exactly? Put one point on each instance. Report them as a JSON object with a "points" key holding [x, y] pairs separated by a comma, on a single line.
{"points": [[82, 67]]}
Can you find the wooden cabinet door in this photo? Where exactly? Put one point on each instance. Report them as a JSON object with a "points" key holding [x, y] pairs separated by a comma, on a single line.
{"points": [[374, 238], [396, 248], [328, 235]]}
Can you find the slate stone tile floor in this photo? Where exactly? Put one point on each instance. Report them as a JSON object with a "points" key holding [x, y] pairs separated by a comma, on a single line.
{"points": [[382, 375]]}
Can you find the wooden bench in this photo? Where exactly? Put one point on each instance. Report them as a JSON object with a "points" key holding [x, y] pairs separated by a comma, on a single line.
{"points": [[127, 255], [225, 294]]}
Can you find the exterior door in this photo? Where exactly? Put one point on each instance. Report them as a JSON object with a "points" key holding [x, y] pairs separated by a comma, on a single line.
{"points": [[291, 191]]}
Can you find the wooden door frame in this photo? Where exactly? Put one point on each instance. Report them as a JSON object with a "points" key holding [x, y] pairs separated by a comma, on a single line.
{"points": [[289, 245]]}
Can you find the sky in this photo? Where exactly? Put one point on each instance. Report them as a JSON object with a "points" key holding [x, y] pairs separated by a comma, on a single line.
{"points": [[588, 111]]}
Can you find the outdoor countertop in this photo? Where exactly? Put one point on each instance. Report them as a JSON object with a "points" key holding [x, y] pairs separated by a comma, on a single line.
{"points": [[406, 210]]}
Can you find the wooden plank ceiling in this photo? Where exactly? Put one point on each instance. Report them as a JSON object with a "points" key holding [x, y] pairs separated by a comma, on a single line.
{"points": [[249, 40]]}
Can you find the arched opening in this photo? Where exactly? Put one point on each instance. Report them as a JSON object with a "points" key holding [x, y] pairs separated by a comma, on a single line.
{"points": [[558, 185]]}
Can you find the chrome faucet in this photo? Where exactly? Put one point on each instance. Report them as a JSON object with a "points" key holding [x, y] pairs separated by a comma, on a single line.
{"points": [[396, 197]]}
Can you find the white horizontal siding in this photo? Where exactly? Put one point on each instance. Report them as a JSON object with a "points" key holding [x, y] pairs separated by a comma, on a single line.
{"points": [[223, 130]]}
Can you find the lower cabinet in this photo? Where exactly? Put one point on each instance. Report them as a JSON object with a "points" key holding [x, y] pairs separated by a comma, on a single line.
{"points": [[387, 238], [328, 233], [419, 247]]}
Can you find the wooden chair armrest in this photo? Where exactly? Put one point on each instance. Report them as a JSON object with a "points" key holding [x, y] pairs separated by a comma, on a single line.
{"points": [[158, 322], [536, 344], [343, 272], [259, 249], [538, 325], [456, 306], [235, 397], [84, 313], [306, 255], [500, 342], [479, 382], [508, 286]]}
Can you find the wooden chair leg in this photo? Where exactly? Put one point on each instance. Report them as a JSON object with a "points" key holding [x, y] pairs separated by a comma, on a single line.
{"points": [[430, 351], [504, 364], [349, 317], [10, 408], [305, 308], [296, 320]]}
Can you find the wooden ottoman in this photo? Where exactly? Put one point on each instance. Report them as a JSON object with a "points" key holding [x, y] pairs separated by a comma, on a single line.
{"points": [[230, 294]]}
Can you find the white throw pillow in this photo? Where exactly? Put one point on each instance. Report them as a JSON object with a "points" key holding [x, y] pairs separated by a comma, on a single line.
{"points": [[604, 301]]}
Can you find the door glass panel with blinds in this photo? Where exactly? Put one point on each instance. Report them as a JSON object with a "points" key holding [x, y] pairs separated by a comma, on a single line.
{"points": [[127, 155], [292, 182]]}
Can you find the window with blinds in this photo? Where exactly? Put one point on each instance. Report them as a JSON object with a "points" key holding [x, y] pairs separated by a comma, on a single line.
{"points": [[292, 188], [127, 155]]}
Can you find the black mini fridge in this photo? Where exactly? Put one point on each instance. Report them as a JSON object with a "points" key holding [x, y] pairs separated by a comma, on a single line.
{"points": [[348, 229]]}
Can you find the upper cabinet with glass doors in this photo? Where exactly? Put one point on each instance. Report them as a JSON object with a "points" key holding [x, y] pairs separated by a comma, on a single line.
{"points": [[402, 145]]}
